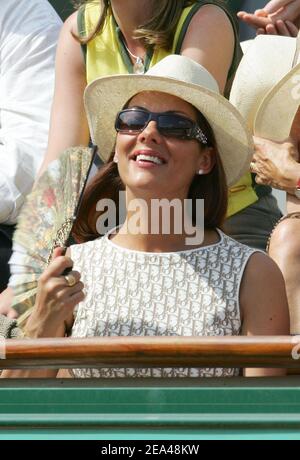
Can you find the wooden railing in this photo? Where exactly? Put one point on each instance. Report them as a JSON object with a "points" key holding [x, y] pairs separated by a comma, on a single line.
{"points": [[258, 351]]}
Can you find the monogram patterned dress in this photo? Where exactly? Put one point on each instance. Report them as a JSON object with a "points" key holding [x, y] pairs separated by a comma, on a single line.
{"points": [[134, 293]]}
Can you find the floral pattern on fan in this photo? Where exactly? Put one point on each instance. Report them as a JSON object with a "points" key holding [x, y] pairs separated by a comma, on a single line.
{"points": [[46, 221]]}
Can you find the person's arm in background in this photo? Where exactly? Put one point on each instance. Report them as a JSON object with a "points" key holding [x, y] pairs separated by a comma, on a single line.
{"points": [[28, 38], [280, 17], [264, 305], [276, 164], [210, 41], [68, 125]]}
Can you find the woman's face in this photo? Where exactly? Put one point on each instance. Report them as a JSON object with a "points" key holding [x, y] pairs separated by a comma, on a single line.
{"points": [[178, 160]]}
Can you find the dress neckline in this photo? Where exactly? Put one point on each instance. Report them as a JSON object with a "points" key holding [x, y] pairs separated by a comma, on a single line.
{"points": [[162, 254]]}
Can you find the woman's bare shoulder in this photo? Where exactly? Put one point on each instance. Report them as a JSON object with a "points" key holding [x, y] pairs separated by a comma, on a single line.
{"points": [[71, 23], [263, 299], [261, 267], [214, 15]]}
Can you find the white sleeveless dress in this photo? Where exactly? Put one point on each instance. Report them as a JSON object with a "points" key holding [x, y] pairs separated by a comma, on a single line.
{"points": [[134, 293]]}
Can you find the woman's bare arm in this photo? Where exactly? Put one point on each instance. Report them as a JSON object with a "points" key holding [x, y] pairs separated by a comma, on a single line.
{"points": [[68, 126], [210, 41], [264, 305]]}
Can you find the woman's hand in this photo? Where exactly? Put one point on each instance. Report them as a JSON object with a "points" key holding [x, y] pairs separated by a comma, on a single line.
{"points": [[276, 164], [52, 315], [279, 17], [53, 311], [6, 299]]}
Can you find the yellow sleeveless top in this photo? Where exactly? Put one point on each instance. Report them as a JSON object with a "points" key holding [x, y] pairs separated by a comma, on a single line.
{"points": [[107, 55]]}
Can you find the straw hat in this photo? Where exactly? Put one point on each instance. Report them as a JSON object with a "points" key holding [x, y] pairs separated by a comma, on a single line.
{"points": [[181, 77], [266, 88]]}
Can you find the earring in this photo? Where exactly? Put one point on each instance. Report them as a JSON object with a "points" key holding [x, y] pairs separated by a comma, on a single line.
{"points": [[200, 172], [116, 159]]}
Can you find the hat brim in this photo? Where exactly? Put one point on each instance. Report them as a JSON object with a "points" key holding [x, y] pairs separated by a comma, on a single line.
{"points": [[106, 96], [267, 61], [277, 111]]}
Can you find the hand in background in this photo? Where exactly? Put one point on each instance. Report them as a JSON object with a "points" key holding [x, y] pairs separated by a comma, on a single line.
{"points": [[284, 28], [275, 164], [289, 8], [278, 17]]}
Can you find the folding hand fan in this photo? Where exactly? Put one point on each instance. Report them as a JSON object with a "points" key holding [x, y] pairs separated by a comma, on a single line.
{"points": [[46, 221]]}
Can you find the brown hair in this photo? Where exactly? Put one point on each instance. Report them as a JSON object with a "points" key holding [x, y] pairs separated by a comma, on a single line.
{"points": [[157, 31], [107, 183]]}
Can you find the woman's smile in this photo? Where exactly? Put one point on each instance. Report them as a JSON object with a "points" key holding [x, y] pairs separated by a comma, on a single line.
{"points": [[148, 159]]}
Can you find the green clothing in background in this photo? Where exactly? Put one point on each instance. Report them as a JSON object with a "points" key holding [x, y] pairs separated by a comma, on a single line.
{"points": [[235, 5], [63, 7]]}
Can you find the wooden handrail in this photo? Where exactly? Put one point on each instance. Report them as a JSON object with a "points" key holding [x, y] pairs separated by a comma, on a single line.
{"points": [[258, 351]]}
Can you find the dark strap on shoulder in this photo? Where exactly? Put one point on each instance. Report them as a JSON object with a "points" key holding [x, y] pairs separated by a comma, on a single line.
{"points": [[185, 26], [237, 55], [82, 29]]}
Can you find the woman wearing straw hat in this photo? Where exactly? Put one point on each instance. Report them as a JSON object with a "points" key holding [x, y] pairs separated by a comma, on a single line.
{"points": [[119, 44], [168, 135], [106, 37], [267, 93], [278, 164]]}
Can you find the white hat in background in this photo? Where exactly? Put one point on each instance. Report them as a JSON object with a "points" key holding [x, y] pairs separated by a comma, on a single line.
{"points": [[266, 88]]}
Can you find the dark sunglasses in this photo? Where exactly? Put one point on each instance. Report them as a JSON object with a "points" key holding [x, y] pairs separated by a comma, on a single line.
{"points": [[135, 120]]}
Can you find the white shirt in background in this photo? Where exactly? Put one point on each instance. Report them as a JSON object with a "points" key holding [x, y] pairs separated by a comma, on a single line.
{"points": [[29, 32]]}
